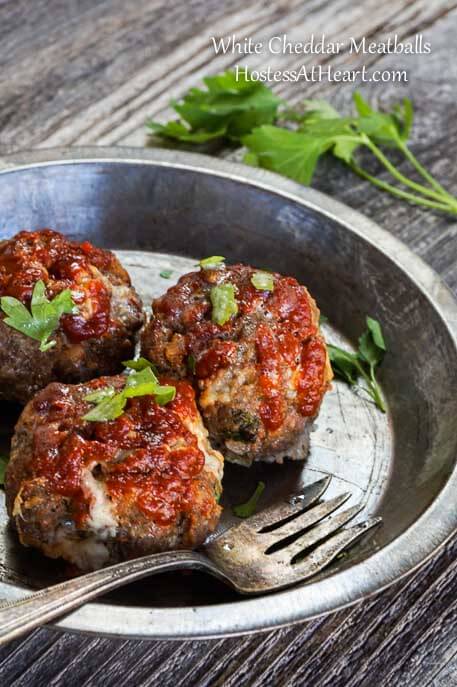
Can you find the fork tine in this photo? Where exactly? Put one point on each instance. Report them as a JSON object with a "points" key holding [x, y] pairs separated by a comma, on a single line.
{"points": [[326, 553], [309, 495], [317, 534], [307, 518]]}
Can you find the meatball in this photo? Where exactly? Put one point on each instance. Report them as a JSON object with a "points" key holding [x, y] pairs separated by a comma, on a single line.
{"points": [[261, 374], [96, 493], [91, 342]]}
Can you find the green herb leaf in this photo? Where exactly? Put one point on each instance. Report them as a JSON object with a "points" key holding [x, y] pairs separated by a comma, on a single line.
{"points": [[263, 281], [141, 382], [3, 464], [404, 115], [108, 409], [100, 394], [344, 364], [296, 153], [370, 354], [375, 328], [289, 153], [244, 111], [180, 132], [166, 274], [164, 394], [224, 303], [211, 262], [44, 316], [191, 363], [245, 510], [382, 128], [139, 364], [227, 109]]}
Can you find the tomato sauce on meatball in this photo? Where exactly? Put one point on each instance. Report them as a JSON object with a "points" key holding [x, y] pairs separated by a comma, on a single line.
{"points": [[261, 375], [96, 492], [92, 341]]}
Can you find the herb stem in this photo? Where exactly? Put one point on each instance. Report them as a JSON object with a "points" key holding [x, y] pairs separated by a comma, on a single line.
{"points": [[400, 193], [377, 395], [372, 386], [423, 172], [419, 188]]}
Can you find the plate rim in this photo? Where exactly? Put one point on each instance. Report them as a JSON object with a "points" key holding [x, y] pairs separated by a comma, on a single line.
{"points": [[436, 525]]}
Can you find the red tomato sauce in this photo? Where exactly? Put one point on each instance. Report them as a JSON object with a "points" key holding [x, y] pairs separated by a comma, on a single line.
{"points": [[147, 456], [285, 333], [311, 380], [61, 264]]}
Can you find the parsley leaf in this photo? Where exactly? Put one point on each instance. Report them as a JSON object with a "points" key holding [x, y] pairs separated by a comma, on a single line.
{"points": [[3, 464], [108, 408], [44, 316], [100, 394], [295, 153], [245, 510], [212, 262], [263, 281], [227, 109], [245, 111], [191, 363], [139, 364], [344, 364], [370, 354], [224, 303], [166, 274], [141, 382]]}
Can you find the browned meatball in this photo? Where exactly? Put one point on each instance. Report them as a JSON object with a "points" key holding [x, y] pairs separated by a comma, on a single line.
{"points": [[94, 341], [260, 375], [95, 493]]}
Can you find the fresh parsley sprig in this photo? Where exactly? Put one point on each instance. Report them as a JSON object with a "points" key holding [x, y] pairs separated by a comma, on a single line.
{"points": [[227, 110], [370, 354], [142, 381], [322, 130], [247, 112], [44, 316]]}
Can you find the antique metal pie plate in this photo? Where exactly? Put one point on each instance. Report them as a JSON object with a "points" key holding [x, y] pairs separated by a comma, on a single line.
{"points": [[164, 209]]}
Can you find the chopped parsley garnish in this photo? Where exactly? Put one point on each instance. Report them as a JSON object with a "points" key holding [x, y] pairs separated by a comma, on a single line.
{"points": [[44, 316], [263, 281], [166, 274], [3, 464], [109, 408], [212, 262], [245, 510], [100, 394], [141, 382], [139, 364], [224, 303], [191, 363], [370, 354]]}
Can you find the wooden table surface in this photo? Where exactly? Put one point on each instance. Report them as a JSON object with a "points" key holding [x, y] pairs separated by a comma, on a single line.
{"points": [[77, 72]]}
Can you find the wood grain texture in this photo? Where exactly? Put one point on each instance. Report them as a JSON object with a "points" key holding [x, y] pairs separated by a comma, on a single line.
{"points": [[77, 72]]}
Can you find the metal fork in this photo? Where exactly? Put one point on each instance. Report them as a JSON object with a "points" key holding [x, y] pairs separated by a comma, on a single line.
{"points": [[273, 549]]}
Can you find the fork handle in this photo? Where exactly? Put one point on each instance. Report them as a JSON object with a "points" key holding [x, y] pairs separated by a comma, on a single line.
{"points": [[18, 617]]}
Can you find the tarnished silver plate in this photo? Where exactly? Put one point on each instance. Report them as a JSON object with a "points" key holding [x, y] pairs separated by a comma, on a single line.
{"points": [[162, 209]]}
